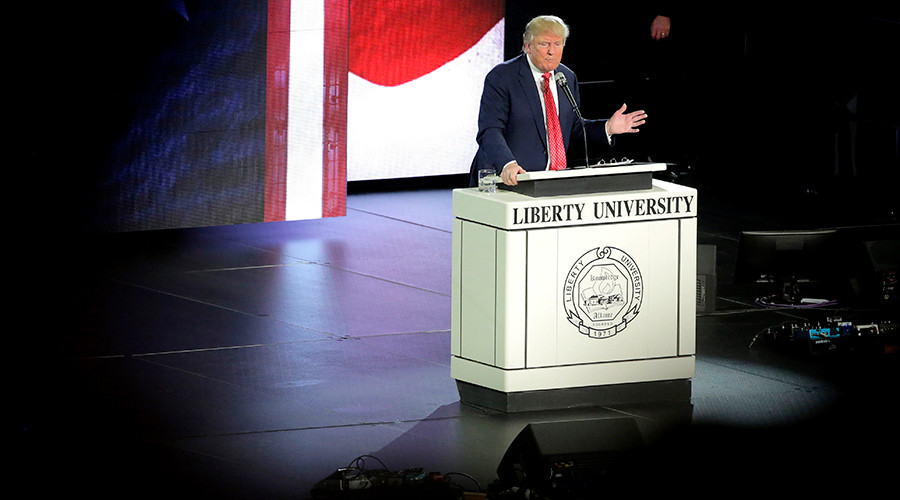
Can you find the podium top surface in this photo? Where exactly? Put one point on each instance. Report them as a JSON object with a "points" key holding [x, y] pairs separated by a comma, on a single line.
{"points": [[514, 211], [578, 181], [633, 168]]}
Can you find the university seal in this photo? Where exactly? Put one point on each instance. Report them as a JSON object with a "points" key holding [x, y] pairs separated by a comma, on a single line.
{"points": [[602, 292]]}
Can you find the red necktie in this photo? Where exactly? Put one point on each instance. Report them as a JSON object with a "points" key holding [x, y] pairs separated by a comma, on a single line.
{"points": [[554, 132]]}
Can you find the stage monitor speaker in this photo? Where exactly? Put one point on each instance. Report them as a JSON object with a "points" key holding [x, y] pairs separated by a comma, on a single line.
{"points": [[884, 259], [872, 261], [706, 278], [572, 458]]}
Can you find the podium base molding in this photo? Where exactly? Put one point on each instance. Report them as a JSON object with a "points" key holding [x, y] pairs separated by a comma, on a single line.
{"points": [[559, 387], [574, 397]]}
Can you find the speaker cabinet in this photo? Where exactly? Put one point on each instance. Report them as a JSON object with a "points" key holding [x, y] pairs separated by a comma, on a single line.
{"points": [[574, 458], [706, 278]]}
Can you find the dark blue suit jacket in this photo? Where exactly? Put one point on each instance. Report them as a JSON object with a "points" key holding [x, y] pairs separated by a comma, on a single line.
{"points": [[511, 123]]}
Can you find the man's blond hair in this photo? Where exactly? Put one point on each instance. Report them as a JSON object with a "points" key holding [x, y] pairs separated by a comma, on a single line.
{"points": [[545, 24]]}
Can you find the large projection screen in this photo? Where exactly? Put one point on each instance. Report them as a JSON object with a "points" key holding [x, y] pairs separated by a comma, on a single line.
{"points": [[213, 113], [398, 96]]}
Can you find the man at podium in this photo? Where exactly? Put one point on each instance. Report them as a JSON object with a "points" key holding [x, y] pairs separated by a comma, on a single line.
{"points": [[514, 132]]}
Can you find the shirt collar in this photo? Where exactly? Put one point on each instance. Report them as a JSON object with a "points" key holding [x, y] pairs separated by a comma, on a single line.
{"points": [[538, 74]]}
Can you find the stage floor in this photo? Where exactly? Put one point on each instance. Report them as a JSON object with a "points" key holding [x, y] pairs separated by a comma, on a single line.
{"points": [[253, 361]]}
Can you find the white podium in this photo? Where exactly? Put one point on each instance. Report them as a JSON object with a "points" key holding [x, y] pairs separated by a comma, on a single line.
{"points": [[574, 298]]}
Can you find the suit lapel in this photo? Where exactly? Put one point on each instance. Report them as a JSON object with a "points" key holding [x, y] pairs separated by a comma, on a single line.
{"points": [[529, 88]]}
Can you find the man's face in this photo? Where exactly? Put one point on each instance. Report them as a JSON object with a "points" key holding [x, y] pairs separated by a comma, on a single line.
{"points": [[545, 51]]}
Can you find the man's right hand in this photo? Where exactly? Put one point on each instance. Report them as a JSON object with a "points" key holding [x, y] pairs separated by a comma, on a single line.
{"points": [[509, 173]]}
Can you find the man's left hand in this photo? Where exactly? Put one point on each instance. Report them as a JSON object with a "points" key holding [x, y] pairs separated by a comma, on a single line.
{"points": [[625, 123]]}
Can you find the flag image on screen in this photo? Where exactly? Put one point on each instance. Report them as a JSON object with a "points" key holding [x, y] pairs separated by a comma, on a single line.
{"points": [[371, 89], [416, 73]]}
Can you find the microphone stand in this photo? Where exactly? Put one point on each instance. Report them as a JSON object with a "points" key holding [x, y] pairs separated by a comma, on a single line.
{"points": [[563, 84]]}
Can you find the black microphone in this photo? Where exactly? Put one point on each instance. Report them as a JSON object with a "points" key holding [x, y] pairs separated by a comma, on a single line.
{"points": [[563, 84]]}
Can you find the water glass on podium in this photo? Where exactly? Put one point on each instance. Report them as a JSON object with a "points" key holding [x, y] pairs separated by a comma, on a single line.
{"points": [[487, 181]]}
